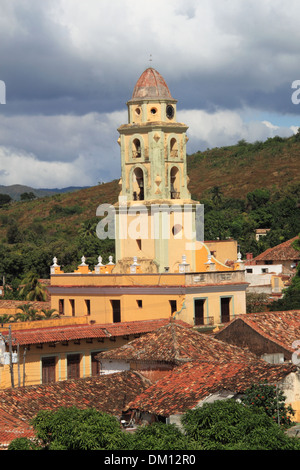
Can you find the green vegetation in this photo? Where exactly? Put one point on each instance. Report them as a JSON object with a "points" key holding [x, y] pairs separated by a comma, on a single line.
{"points": [[222, 425], [243, 187], [28, 313]]}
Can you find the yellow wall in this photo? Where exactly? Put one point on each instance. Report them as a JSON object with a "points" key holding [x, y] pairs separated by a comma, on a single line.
{"points": [[33, 358], [154, 307]]}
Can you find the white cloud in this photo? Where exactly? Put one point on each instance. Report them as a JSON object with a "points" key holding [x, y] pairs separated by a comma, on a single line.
{"points": [[55, 151], [221, 128]]}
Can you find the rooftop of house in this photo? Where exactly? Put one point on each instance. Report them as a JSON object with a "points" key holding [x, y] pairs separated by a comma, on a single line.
{"points": [[282, 252], [12, 427], [282, 328], [51, 334], [110, 394], [175, 343], [189, 384]]}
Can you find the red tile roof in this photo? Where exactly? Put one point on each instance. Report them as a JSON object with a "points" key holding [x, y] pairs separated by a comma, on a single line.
{"points": [[74, 332], [12, 428], [186, 386], [282, 252], [282, 328], [176, 343], [110, 394]]}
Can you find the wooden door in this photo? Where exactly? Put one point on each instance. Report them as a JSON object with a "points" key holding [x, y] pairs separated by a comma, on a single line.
{"points": [[73, 366], [225, 309], [48, 369], [199, 311]]}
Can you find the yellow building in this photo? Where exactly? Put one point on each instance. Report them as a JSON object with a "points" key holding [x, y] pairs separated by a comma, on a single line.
{"points": [[162, 266]]}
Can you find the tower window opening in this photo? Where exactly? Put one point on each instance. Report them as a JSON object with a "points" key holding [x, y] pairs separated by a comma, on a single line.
{"points": [[175, 189], [153, 110], [173, 148], [138, 185], [136, 149]]}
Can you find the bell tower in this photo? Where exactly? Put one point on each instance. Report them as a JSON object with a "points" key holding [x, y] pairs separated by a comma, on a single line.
{"points": [[154, 174]]}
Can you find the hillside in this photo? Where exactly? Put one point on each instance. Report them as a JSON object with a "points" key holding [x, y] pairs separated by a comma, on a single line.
{"points": [[63, 225], [244, 167], [15, 191]]}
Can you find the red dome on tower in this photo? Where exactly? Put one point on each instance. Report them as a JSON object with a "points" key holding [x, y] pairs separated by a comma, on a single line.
{"points": [[151, 85]]}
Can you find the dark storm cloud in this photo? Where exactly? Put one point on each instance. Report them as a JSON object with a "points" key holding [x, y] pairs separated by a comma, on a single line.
{"points": [[70, 67]]}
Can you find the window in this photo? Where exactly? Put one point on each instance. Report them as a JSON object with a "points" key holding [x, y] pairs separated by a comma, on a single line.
{"points": [[61, 307], [48, 369], [173, 148], [116, 310], [174, 182], [139, 244], [138, 184], [72, 306], [140, 303], [249, 270], [173, 304], [136, 149], [88, 306], [264, 270]]}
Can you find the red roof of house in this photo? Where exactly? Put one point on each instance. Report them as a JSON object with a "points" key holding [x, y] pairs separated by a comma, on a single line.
{"points": [[105, 393], [282, 328], [186, 386], [282, 252], [11, 428], [75, 332], [176, 343]]}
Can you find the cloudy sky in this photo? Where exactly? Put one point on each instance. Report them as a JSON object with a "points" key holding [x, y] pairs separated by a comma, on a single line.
{"points": [[70, 66]]}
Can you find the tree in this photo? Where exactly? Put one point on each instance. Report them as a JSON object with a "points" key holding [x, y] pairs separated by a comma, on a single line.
{"points": [[76, 429], [27, 196], [22, 443], [4, 199], [272, 400], [230, 425], [50, 312], [160, 436], [32, 289]]}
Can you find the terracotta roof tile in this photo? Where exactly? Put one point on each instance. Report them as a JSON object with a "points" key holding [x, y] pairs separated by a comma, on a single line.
{"points": [[74, 332], [176, 343], [186, 386], [283, 251], [282, 328], [105, 393], [12, 428]]}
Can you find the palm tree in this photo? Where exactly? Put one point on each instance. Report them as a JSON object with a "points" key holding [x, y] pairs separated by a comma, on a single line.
{"points": [[7, 318], [32, 289], [50, 312], [28, 313]]}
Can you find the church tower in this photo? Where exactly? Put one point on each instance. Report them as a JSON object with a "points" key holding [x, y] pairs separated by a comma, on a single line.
{"points": [[155, 220]]}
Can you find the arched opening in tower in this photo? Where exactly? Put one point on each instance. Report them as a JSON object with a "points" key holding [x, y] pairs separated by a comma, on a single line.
{"points": [[136, 149], [175, 184], [138, 184], [173, 148]]}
